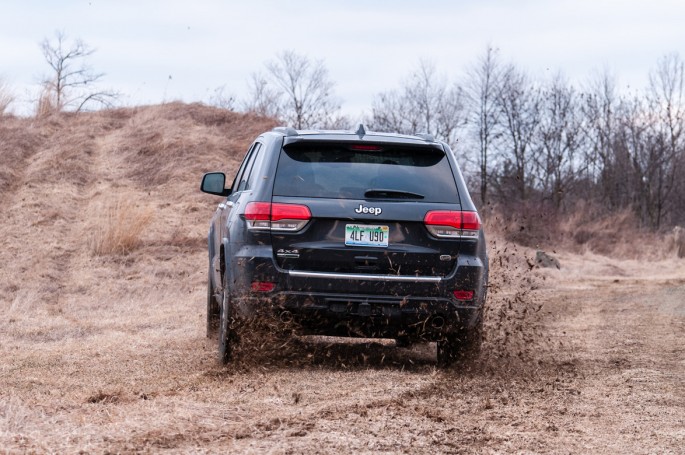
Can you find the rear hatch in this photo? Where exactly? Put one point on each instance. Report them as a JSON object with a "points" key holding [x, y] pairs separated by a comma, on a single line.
{"points": [[368, 204]]}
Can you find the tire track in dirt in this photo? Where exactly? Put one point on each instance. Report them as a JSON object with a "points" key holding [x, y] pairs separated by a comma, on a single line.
{"points": [[72, 174], [46, 229], [19, 143], [37, 222], [635, 351]]}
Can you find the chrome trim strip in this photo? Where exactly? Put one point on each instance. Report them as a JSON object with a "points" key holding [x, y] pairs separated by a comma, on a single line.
{"points": [[356, 276]]}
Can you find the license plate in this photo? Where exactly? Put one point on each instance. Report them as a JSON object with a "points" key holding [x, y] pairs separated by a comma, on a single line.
{"points": [[366, 235]]}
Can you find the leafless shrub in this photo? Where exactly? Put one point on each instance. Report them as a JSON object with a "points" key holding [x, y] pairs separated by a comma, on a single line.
{"points": [[119, 228], [17, 144]]}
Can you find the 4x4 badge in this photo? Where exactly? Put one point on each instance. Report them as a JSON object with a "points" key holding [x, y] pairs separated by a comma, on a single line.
{"points": [[373, 210], [281, 253]]}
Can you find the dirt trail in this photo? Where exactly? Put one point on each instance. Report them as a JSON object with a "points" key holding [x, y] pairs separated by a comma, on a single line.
{"points": [[605, 375]]}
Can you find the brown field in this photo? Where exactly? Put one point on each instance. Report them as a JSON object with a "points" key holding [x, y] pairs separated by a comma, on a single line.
{"points": [[102, 300]]}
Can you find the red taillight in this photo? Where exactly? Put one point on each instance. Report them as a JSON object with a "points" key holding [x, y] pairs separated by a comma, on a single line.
{"points": [[443, 218], [458, 220], [470, 221], [290, 212], [452, 223], [276, 216], [463, 295], [262, 286], [258, 211]]}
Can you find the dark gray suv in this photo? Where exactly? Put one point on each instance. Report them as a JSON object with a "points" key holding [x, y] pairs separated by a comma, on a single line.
{"points": [[348, 234]]}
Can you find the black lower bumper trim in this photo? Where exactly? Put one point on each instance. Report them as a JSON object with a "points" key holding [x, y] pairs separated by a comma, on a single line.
{"points": [[373, 316]]}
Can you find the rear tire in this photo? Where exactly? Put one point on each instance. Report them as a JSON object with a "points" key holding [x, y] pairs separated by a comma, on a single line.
{"points": [[227, 329], [212, 311]]}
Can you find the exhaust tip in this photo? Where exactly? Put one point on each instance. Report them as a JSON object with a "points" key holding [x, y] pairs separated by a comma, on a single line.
{"points": [[286, 317], [437, 322]]}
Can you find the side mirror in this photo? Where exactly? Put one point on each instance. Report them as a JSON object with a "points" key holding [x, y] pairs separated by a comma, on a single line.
{"points": [[214, 183]]}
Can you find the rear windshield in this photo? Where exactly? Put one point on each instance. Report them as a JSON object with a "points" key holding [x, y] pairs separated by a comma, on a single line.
{"points": [[384, 172]]}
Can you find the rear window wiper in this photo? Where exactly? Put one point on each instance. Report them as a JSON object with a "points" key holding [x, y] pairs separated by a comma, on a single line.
{"points": [[381, 193]]}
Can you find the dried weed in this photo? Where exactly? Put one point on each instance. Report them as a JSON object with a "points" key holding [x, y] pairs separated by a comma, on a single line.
{"points": [[119, 228], [18, 142], [14, 415], [6, 97], [586, 228]]}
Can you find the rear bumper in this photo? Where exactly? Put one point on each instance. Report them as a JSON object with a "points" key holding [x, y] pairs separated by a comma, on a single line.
{"points": [[359, 304]]}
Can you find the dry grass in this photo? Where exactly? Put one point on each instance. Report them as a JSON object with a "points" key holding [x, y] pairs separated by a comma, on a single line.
{"points": [[585, 229], [119, 227], [46, 104], [18, 141], [166, 143]]}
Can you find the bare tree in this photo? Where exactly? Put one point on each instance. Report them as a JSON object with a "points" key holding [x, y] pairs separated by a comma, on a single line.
{"points": [[71, 83], [391, 112], [634, 157], [440, 106], [519, 102], [483, 88], [560, 138], [666, 100], [451, 115], [426, 103], [264, 100], [636, 146], [338, 122], [600, 104], [295, 89]]}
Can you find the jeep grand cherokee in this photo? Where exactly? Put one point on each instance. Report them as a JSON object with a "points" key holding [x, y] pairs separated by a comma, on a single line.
{"points": [[348, 234]]}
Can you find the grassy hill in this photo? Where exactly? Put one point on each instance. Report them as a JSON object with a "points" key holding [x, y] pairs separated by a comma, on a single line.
{"points": [[77, 190]]}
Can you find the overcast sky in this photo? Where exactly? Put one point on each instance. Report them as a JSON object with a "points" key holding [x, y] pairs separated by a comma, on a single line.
{"points": [[155, 51]]}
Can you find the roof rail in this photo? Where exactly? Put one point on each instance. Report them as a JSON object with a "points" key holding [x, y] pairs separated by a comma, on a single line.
{"points": [[287, 130], [425, 136]]}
